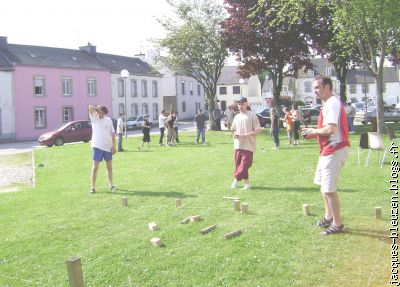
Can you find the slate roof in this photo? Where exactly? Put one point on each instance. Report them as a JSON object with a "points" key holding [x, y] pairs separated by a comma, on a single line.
{"points": [[357, 76], [229, 76], [135, 66], [319, 66], [53, 57]]}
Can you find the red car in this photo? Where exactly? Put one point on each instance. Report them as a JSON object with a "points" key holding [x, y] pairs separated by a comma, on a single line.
{"points": [[70, 132]]}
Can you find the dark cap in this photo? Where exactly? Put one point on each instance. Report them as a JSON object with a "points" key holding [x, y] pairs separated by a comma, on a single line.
{"points": [[241, 100]]}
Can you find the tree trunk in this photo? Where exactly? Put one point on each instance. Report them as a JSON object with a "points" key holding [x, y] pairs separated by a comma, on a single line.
{"points": [[211, 106], [379, 103], [341, 71]]}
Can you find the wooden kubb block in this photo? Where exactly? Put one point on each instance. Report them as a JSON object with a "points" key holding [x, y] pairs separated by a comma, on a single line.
{"points": [[124, 201], [195, 218], [156, 242], [178, 203], [186, 220], [236, 205], [208, 229], [153, 226], [306, 210], [233, 234], [378, 213], [245, 207]]}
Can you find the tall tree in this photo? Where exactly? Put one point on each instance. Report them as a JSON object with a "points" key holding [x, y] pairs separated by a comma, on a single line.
{"points": [[374, 25], [261, 43], [194, 44]]}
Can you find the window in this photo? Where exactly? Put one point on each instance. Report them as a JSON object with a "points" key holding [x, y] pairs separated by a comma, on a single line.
{"points": [[91, 84], [67, 114], [134, 110], [120, 87], [133, 88], [121, 108], [236, 90], [365, 88], [145, 109], [198, 90], [40, 117], [222, 91], [197, 107], [66, 87], [307, 87], [144, 89], [353, 89], [183, 87], [38, 86], [329, 71], [155, 111], [310, 72], [191, 88], [183, 107], [154, 89]]}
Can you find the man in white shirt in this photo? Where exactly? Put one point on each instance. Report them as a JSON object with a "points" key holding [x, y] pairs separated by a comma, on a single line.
{"points": [[161, 125], [120, 130], [103, 143]]}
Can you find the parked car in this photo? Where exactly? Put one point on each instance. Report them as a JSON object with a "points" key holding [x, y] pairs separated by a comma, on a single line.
{"points": [[263, 116], [391, 114], [310, 116], [70, 132], [134, 123]]}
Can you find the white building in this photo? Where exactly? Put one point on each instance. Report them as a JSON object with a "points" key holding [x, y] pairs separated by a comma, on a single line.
{"points": [[231, 86], [7, 117]]}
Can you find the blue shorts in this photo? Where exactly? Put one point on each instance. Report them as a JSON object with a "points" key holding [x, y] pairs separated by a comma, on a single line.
{"points": [[99, 154]]}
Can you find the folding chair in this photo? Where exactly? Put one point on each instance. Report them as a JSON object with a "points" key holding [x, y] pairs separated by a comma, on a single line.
{"points": [[363, 144], [375, 142]]}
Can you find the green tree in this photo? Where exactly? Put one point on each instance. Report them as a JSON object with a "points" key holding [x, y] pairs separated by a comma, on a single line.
{"points": [[194, 44], [374, 26]]}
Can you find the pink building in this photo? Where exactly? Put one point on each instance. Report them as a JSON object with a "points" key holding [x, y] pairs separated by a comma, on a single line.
{"points": [[51, 86]]}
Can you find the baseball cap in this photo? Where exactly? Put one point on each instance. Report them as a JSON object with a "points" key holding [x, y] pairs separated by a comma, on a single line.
{"points": [[241, 100]]}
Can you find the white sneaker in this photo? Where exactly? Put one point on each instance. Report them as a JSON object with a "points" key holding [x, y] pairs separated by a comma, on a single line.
{"points": [[246, 186], [234, 184]]}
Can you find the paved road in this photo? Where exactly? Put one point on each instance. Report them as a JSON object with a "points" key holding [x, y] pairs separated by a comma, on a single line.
{"points": [[21, 147]]}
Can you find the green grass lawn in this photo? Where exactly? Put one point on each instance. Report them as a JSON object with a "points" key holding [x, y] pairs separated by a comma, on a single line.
{"points": [[42, 227]]}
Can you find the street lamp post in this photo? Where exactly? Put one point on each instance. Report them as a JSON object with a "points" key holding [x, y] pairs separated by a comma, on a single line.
{"points": [[125, 74]]}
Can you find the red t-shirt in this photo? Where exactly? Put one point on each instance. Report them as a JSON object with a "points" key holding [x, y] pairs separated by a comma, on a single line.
{"points": [[333, 112]]}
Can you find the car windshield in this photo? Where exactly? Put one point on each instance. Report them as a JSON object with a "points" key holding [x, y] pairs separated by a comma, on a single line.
{"points": [[132, 119], [63, 127]]}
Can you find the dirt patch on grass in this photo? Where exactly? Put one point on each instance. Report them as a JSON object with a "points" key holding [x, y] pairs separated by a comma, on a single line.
{"points": [[16, 171]]}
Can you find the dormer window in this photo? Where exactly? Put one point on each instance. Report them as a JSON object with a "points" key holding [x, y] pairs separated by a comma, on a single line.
{"points": [[310, 72]]}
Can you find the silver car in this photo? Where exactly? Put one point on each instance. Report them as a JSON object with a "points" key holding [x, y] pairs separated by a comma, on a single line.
{"points": [[391, 114]]}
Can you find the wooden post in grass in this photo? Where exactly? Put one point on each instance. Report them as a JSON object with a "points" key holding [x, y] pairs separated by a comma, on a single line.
{"points": [[236, 205], [124, 201], [233, 234], [245, 207], [75, 276], [306, 210], [208, 229], [178, 203], [378, 213]]}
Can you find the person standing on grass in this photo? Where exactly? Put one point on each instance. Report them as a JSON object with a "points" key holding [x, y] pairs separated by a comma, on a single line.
{"points": [[120, 130], [296, 124], [200, 123], [351, 112], [288, 120], [146, 131], [161, 125], [103, 143], [332, 134], [229, 115], [245, 127], [176, 127], [170, 127], [274, 130]]}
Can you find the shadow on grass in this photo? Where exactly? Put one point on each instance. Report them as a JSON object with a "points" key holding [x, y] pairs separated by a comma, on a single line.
{"points": [[375, 234], [296, 189], [154, 193]]}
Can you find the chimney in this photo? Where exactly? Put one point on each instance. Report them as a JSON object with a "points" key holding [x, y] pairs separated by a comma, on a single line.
{"points": [[90, 49], [152, 56], [141, 56], [3, 43]]}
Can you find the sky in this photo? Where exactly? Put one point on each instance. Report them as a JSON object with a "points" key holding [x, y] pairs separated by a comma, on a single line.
{"points": [[121, 27]]}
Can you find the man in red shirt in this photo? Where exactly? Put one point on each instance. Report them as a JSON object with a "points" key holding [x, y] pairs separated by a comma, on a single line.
{"points": [[332, 133]]}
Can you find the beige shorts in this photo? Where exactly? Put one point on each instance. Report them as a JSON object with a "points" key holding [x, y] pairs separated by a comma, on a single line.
{"points": [[328, 169]]}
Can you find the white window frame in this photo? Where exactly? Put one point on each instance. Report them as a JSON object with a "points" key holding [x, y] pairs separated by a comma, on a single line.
{"points": [[145, 109], [91, 87], [310, 72], [134, 92], [328, 71], [134, 110], [353, 89], [144, 88], [307, 87], [191, 88], [155, 111], [183, 106], [121, 108], [42, 80], [67, 114], [120, 87], [40, 117], [198, 89], [154, 90], [66, 86]]}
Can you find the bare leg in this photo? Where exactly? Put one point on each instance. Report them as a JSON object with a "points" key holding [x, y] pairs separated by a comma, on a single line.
{"points": [[109, 173], [334, 205], [93, 178]]}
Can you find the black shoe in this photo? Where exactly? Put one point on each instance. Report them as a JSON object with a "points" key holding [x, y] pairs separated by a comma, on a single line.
{"points": [[333, 229], [325, 222], [92, 190], [121, 150]]}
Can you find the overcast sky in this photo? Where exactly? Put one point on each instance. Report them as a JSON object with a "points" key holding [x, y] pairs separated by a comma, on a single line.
{"points": [[120, 27]]}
